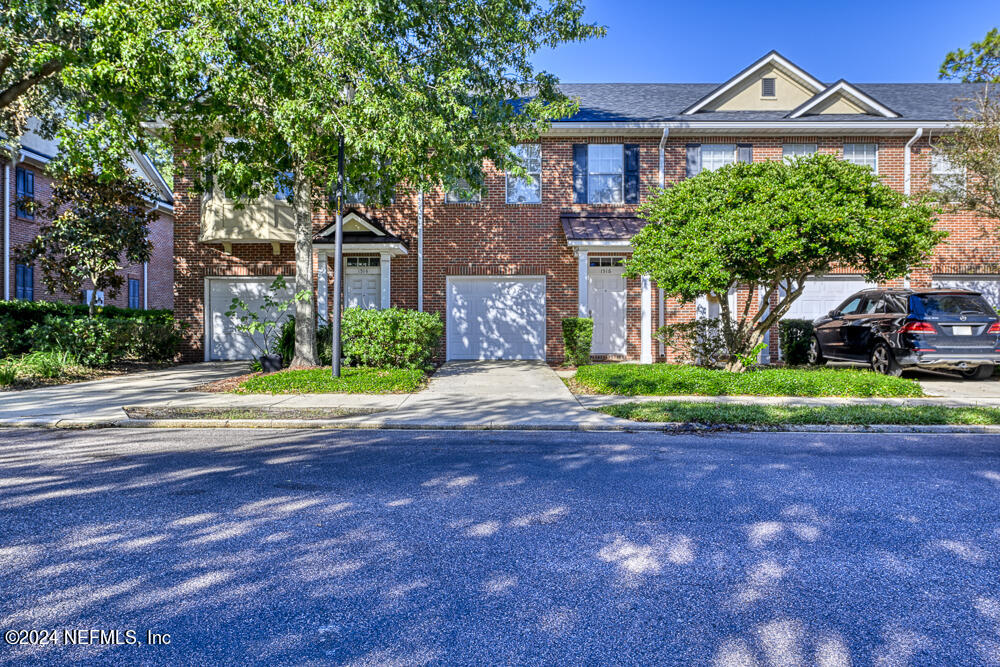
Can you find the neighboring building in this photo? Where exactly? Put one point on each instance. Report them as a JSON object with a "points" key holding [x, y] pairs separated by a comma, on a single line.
{"points": [[506, 267], [146, 286]]}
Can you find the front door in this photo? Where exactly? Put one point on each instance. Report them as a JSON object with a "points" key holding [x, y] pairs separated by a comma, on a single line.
{"points": [[606, 296], [362, 282]]}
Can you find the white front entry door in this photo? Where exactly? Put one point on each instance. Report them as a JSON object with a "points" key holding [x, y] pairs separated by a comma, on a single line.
{"points": [[606, 298], [224, 341], [496, 317], [362, 282]]}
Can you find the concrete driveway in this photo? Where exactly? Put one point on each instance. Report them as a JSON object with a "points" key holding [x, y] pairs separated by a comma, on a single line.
{"points": [[411, 548], [103, 399]]}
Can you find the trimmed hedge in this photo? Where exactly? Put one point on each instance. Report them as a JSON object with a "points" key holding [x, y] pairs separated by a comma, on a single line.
{"points": [[794, 337], [16, 317], [391, 338], [101, 341], [578, 334]]}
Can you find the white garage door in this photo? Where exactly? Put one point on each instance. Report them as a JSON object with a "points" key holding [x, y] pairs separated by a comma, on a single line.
{"points": [[821, 295], [492, 317], [224, 341], [989, 286]]}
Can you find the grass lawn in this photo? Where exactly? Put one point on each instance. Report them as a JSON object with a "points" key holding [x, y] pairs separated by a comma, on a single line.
{"points": [[776, 415], [319, 381], [141, 412], [678, 380]]}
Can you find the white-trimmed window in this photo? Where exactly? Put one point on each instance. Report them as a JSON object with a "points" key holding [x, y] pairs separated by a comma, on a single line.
{"points": [[462, 193], [945, 176], [526, 190], [714, 156], [863, 154], [605, 173], [789, 151]]}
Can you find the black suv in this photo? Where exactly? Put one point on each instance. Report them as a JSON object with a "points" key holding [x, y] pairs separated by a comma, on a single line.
{"points": [[948, 329]]}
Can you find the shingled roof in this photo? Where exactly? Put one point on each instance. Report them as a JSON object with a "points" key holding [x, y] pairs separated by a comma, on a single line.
{"points": [[601, 227]]}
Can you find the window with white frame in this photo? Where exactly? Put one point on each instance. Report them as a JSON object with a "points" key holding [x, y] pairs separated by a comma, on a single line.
{"points": [[605, 173], [789, 151], [462, 193], [863, 154], [526, 190], [714, 156], [945, 176]]}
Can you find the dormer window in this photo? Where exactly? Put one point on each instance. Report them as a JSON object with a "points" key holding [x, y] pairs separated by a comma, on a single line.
{"points": [[767, 87]]}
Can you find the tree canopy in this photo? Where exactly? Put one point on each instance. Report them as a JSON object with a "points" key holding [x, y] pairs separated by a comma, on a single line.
{"points": [[88, 227], [771, 225], [980, 63]]}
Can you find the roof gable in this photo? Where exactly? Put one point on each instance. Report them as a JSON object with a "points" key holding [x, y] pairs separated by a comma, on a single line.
{"points": [[843, 98], [793, 87]]}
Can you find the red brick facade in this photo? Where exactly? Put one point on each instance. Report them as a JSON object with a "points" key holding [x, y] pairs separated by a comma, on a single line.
{"points": [[160, 270], [496, 238]]}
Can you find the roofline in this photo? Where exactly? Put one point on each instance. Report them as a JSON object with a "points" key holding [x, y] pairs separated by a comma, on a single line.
{"points": [[769, 57], [747, 127], [843, 86]]}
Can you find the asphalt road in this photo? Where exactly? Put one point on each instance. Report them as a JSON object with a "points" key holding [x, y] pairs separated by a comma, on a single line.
{"points": [[306, 547]]}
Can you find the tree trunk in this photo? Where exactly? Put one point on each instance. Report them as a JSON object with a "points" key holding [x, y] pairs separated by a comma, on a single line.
{"points": [[305, 310]]}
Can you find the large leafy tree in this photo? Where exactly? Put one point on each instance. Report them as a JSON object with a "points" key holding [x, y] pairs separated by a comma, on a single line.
{"points": [[91, 227], [973, 148], [255, 89], [765, 227]]}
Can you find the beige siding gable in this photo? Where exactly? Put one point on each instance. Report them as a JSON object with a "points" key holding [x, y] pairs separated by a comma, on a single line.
{"points": [[789, 93], [263, 220]]}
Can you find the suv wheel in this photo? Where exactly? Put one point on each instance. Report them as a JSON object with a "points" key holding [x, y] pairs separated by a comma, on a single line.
{"points": [[983, 372], [883, 362], [815, 354]]}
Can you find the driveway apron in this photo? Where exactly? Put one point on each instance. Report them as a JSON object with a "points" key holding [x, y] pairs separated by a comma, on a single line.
{"points": [[509, 393]]}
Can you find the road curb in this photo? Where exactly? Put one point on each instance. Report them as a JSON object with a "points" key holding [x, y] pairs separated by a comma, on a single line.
{"points": [[341, 425]]}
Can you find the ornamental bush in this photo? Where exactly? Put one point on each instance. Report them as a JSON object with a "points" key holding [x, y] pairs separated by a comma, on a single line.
{"points": [[101, 341], [391, 338], [794, 337], [578, 334]]}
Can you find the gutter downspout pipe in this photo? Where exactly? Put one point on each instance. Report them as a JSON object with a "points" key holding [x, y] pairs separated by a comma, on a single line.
{"points": [[420, 250], [660, 303], [6, 232], [663, 143], [906, 159]]}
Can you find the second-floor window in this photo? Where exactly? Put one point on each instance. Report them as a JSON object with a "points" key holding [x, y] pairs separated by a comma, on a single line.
{"points": [[945, 176], [789, 151], [863, 154], [526, 190], [25, 193], [462, 193], [133, 293], [606, 174], [709, 157]]}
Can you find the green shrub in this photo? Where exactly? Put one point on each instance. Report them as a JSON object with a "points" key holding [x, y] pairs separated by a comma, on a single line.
{"points": [[8, 372], [794, 337], [578, 333], [101, 341], [677, 380], [391, 338], [16, 317], [46, 364]]}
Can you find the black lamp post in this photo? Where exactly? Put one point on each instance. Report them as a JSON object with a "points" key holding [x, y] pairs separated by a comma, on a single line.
{"points": [[338, 251]]}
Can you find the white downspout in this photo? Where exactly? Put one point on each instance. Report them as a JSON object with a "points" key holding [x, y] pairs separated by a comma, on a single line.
{"points": [[663, 143], [420, 250], [906, 179], [145, 285], [906, 159], [6, 232]]}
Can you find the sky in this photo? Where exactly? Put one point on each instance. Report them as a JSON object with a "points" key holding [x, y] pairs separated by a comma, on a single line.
{"points": [[878, 41]]}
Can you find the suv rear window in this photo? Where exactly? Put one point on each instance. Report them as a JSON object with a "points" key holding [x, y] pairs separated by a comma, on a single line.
{"points": [[935, 306]]}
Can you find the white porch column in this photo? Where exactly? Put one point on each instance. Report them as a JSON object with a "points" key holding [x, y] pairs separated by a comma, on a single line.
{"points": [[646, 334], [323, 287], [581, 279], [386, 278]]}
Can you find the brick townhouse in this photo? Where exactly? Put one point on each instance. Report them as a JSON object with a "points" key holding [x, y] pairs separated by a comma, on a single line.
{"points": [[503, 268], [146, 286]]}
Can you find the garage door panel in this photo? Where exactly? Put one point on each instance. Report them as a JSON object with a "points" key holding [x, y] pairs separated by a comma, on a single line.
{"points": [[496, 318], [821, 295], [225, 342], [988, 286]]}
